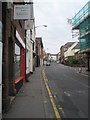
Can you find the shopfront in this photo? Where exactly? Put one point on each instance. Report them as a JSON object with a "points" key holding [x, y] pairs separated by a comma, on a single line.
{"points": [[19, 61]]}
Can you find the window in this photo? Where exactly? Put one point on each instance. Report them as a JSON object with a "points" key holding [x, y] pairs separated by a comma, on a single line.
{"points": [[17, 61]]}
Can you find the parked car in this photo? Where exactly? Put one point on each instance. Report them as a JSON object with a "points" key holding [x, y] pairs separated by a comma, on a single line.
{"points": [[57, 62], [47, 63]]}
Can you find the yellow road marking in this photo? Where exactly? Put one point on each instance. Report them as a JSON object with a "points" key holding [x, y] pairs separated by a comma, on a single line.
{"points": [[51, 97]]}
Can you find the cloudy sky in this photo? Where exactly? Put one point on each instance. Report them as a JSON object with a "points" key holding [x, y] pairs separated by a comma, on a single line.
{"points": [[54, 14]]}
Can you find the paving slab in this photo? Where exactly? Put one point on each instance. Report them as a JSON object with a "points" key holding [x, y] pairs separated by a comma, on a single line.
{"points": [[32, 101]]}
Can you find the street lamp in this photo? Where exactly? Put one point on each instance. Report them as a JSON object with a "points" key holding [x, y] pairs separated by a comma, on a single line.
{"points": [[38, 27], [41, 26]]}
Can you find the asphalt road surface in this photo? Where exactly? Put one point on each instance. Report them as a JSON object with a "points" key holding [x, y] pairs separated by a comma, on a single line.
{"points": [[69, 89]]}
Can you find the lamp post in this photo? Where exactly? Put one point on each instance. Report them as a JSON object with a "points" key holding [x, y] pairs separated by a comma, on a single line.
{"points": [[38, 27], [41, 26]]}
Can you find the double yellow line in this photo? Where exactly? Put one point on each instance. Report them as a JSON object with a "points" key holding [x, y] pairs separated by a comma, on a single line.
{"points": [[50, 95]]}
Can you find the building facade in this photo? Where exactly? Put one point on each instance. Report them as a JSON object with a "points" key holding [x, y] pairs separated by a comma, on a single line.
{"points": [[18, 53], [13, 73], [81, 22], [71, 50], [39, 52], [62, 54]]}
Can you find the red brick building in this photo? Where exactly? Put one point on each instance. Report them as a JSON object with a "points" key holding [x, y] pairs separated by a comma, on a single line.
{"points": [[62, 54], [39, 52], [13, 55]]}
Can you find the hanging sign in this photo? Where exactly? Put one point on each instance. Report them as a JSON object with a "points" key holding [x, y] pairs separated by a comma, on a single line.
{"points": [[22, 12], [28, 24]]}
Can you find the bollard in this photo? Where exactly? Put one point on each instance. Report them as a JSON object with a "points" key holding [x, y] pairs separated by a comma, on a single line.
{"points": [[80, 70]]}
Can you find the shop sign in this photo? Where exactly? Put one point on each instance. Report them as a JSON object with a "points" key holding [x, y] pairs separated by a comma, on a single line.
{"points": [[22, 12], [20, 39], [28, 24]]}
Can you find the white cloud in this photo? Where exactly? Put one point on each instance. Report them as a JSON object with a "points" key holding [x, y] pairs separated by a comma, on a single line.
{"points": [[54, 13]]}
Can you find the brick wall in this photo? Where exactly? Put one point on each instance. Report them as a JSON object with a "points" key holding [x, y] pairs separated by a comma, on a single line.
{"points": [[8, 53]]}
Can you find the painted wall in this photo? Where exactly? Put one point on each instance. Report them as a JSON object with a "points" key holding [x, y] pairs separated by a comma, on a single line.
{"points": [[70, 51]]}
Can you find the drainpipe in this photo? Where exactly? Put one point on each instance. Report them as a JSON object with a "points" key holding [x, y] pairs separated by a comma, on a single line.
{"points": [[25, 57]]}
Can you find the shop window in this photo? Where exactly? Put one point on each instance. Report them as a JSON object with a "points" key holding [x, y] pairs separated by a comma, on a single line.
{"points": [[17, 61]]}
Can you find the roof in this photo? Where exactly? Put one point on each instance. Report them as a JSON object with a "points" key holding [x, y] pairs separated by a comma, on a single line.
{"points": [[77, 46], [69, 44]]}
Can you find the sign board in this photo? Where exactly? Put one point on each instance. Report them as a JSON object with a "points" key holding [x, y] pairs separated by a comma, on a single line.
{"points": [[28, 24], [22, 12]]}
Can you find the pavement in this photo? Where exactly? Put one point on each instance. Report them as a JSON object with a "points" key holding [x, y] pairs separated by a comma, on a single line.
{"points": [[82, 70], [32, 101]]}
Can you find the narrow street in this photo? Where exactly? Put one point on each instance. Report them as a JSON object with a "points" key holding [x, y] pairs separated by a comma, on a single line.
{"points": [[69, 89], [44, 59]]}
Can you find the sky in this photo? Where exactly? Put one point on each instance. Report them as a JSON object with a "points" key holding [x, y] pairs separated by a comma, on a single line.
{"points": [[54, 14]]}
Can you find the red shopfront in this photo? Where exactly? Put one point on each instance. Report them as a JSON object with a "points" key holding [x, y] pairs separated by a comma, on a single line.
{"points": [[19, 60]]}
